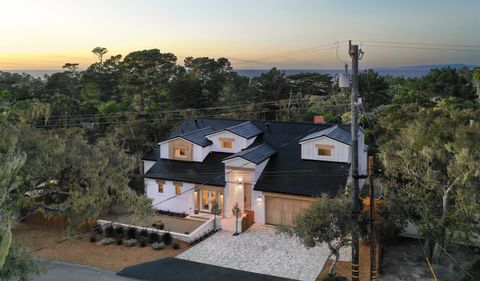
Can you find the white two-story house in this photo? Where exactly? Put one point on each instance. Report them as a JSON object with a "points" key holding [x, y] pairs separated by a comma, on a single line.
{"points": [[273, 169]]}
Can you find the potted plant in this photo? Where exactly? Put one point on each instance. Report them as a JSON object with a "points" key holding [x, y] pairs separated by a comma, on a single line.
{"points": [[236, 212]]}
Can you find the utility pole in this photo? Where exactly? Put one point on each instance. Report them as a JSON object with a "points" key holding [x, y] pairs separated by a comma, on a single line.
{"points": [[355, 54], [373, 273]]}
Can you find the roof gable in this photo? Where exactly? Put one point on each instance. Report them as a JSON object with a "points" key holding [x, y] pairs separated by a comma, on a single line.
{"points": [[256, 154], [196, 136], [245, 130], [335, 132]]}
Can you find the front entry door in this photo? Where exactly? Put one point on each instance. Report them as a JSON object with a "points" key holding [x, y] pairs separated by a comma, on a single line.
{"points": [[207, 199]]}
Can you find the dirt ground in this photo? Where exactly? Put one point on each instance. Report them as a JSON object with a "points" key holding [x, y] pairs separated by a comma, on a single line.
{"points": [[406, 262], [344, 268], [51, 243]]}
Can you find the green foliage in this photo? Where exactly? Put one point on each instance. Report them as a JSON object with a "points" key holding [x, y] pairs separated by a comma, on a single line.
{"points": [[432, 163], [373, 89], [447, 82], [20, 265], [311, 83], [15, 262], [325, 221]]}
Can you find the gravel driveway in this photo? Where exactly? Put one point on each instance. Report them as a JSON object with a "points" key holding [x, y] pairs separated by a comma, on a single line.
{"points": [[260, 250]]}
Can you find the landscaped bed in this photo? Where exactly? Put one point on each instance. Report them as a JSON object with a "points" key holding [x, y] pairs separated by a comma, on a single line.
{"points": [[51, 243], [170, 223]]}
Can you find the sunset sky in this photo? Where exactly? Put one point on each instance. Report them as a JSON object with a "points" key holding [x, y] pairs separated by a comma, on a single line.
{"points": [[251, 33]]}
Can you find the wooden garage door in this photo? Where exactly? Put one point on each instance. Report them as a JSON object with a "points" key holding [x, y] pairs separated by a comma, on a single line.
{"points": [[281, 210]]}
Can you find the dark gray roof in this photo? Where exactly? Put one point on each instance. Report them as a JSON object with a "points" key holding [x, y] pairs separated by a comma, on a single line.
{"points": [[196, 136], [211, 171], [335, 132], [245, 129], [256, 154], [173, 269], [152, 155], [285, 172]]}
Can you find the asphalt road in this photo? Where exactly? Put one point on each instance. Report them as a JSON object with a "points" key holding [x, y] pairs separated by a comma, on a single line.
{"points": [[61, 271]]}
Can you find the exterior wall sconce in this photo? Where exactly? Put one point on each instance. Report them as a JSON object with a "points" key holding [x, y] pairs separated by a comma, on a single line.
{"points": [[259, 198]]}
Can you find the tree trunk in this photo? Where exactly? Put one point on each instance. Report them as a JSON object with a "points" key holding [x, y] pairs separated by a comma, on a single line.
{"points": [[437, 249], [335, 251]]}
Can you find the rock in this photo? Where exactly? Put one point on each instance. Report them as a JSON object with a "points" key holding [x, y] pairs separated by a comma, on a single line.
{"points": [[158, 245], [130, 242], [105, 241]]}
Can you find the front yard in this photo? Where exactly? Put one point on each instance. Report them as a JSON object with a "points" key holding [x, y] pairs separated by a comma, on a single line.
{"points": [[260, 250], [49, 242]]}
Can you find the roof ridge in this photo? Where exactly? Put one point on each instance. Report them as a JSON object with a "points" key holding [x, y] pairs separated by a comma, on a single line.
{"points": [[195, 131]]}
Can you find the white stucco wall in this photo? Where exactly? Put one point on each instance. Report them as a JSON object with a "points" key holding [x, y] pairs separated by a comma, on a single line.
{"points": [[239, 144], [147, 164], [183, 203], [340, 153]]}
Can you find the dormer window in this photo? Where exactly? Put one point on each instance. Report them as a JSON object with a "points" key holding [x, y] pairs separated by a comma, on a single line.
{"points": [[324, 150], [180, 153], [227, 143]]}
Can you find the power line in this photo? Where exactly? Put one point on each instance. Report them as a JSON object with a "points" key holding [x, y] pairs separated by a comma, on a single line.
{"points": [[419, 43], [422, 48]]}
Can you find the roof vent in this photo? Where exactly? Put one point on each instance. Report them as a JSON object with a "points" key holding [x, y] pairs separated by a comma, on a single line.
{"points": [[319, 119]]}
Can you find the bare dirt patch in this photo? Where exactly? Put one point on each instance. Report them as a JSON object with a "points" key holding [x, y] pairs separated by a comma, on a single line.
{"points": [[52, 243]]}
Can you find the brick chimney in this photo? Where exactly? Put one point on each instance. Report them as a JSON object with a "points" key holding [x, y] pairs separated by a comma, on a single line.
{"points": [[319, 119]]}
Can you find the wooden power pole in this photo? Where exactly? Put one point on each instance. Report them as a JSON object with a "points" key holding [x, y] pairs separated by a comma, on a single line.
{"points": [[355, 54], [373, 273]]}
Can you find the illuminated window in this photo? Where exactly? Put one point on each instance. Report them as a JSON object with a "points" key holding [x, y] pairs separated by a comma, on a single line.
{"points": [[227, 144], [178, 189], [324, 150], [160, 186], [180, 153]]}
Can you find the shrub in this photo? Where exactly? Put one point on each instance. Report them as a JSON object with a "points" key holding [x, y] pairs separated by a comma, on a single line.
{"points": [[176, 245], [106, 241], [142, 242], [153, 237], [144, 233], [93, 237], [119, 241], [119, 231], [109, 231], [131, 233], [130, 242], [161, 226], [158, 245], [167, 238], [98, 229]]}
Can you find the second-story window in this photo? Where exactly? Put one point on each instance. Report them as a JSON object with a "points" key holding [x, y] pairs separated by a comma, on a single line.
{"points": [[180, 153], [324, 150], [226, 143]]}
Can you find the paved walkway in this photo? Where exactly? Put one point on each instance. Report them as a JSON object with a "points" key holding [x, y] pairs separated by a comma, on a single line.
{"points": [[61, 271], [260, 250]]}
